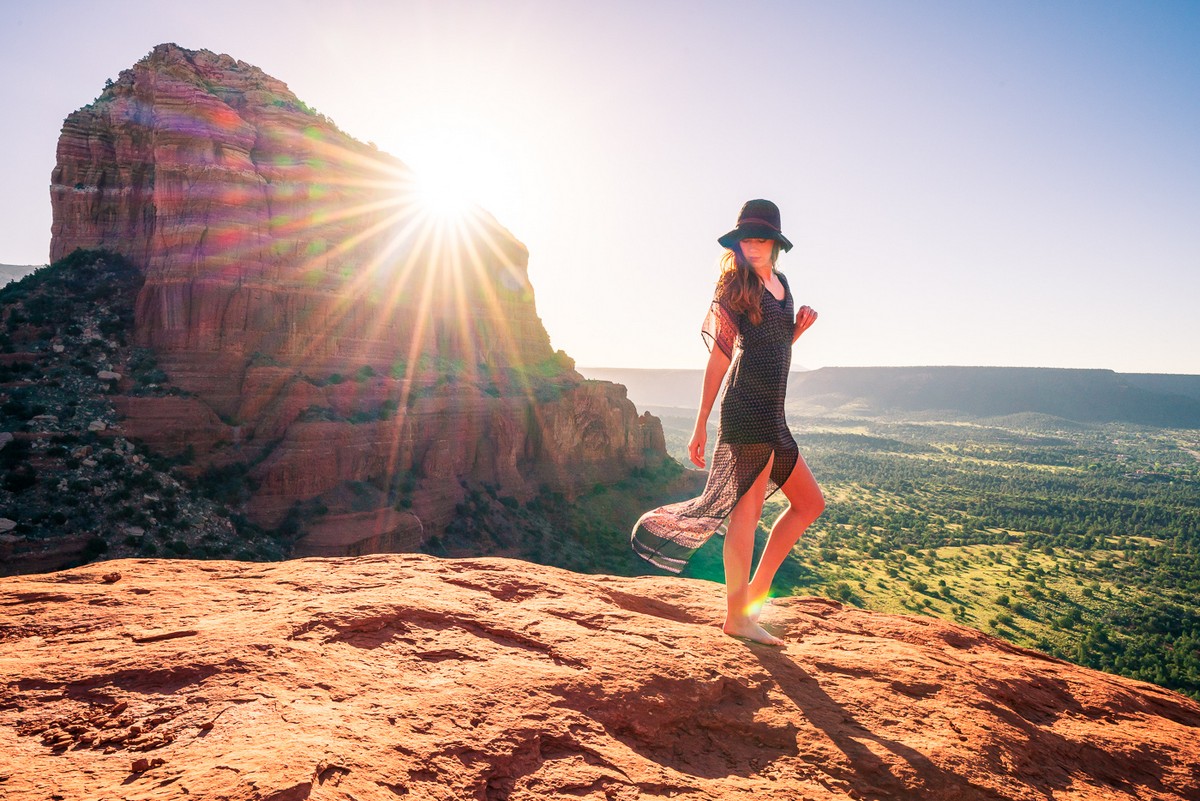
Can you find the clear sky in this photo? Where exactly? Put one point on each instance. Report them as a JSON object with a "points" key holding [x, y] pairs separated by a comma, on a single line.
{"points": [[968, 183]]}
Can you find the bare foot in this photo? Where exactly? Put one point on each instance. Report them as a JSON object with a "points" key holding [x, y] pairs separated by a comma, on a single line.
{"points": [[747, 629]]}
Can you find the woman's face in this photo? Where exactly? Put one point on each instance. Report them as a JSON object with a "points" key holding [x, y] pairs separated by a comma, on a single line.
{"points": [[758, 252]]}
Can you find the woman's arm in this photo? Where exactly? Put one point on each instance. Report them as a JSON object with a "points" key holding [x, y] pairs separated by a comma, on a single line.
{"points": [[714, 374], [805, 317]]}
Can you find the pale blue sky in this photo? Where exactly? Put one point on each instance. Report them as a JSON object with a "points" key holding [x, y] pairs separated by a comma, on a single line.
{"points": [[967, 183]]}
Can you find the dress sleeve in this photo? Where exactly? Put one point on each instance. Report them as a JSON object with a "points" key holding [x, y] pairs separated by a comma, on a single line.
{"points": [[720, 326]]}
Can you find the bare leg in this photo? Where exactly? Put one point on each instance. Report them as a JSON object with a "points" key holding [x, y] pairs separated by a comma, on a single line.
{"points": [[805, 504], [739, 551]]}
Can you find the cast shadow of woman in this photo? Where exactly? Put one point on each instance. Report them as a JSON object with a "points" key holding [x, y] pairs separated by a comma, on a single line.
{"points": [[863, 770]]}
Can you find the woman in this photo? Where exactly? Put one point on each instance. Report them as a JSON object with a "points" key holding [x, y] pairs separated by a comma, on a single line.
{"points": [[749, 332]]}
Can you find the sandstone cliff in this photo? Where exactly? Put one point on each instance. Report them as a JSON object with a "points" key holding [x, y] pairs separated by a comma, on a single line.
{"points": [[339, 336], [409, 676], [79, 482]]}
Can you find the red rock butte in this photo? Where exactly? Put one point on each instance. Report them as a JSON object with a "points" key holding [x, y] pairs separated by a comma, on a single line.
{"points": [[282, 256], [407, 676]]}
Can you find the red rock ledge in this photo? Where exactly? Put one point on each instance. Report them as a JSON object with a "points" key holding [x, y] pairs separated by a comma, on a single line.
{"points": [[405, 676]]}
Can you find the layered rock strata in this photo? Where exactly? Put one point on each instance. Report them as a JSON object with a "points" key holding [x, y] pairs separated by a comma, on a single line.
{"points": [[336, 330], [408, 676]]}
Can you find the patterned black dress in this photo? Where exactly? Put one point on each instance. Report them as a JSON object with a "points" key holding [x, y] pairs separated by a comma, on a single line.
{"points": [[752, 428]]}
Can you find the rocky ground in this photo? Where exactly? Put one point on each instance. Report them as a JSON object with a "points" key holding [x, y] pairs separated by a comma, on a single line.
{"points": [[410, 676]]}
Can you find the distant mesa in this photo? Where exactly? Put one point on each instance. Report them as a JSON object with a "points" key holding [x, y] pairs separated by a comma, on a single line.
{"points": [[340, 342], [1079, 395], [1085, 396], [12, 272]]}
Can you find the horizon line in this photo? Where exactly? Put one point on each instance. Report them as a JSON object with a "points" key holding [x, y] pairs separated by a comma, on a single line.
{"points": [[909, 367]]}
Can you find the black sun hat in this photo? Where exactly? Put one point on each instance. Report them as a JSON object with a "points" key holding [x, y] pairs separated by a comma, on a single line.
{"points": [[758, 219]]}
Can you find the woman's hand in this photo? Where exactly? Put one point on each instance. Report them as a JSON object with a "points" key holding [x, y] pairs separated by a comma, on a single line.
{"points": [[696, 447], [714, 374], [805, 317]]}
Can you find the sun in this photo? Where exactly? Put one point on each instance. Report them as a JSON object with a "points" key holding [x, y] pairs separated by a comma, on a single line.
{"points": [[443, 189], [450, 166], [462, 165]]}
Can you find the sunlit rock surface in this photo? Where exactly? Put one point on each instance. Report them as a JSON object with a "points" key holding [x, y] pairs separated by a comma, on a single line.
{"points": [[335, 331], [409, 676], [264, 229]]}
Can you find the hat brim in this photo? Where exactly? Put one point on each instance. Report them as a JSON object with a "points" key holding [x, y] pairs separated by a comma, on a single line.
{"points": [[752, 231]]}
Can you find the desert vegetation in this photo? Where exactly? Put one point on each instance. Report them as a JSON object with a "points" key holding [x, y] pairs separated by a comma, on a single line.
{"points": [[72, 489], [1081, 541]]}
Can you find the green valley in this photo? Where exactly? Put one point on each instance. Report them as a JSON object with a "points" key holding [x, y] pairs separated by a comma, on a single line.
{"points": [[1079, 540]]}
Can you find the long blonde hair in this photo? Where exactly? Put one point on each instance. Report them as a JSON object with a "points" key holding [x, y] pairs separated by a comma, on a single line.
{"points": [[741, 285]]}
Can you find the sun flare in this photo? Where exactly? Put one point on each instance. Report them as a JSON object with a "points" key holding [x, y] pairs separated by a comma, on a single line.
{"points": [[461, 164], [449, 172], [444, 193]]}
